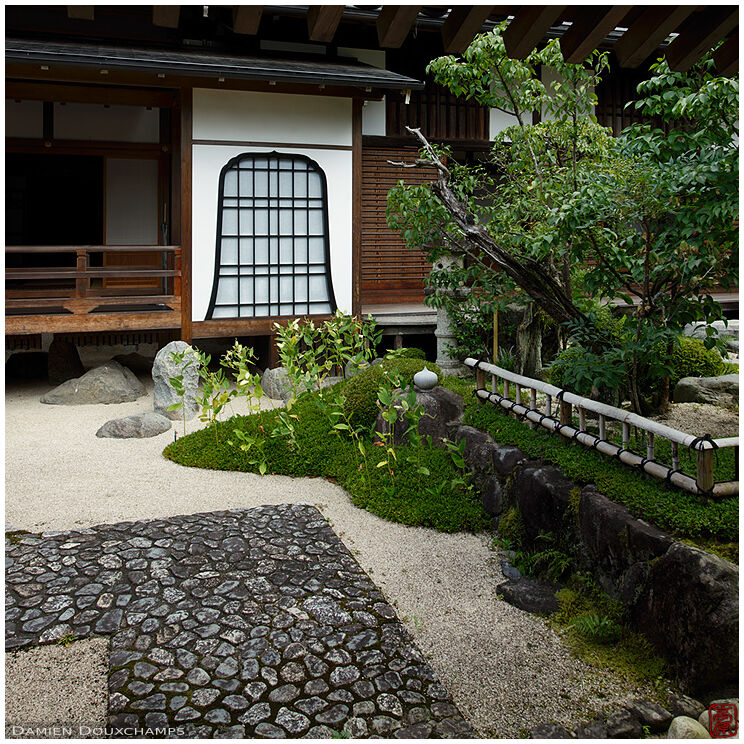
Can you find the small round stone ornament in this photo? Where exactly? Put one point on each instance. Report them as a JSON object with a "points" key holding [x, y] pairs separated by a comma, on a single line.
{"points": [[425, 379]]}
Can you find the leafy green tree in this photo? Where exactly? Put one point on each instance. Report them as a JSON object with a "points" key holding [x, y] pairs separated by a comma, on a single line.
{"points": [[571, 216], [658, 227], [498, 217]]}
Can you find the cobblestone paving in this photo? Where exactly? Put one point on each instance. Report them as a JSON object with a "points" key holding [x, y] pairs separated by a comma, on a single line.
{"points": [[243, 623]]}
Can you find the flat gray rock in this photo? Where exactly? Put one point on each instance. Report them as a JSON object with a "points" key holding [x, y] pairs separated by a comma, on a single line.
{"points": [[139, 426], [531, 595], [716, 390], [109, 383]]}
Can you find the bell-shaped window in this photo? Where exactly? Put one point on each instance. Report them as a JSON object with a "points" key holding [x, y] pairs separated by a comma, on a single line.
{"points": [[273, 250]]}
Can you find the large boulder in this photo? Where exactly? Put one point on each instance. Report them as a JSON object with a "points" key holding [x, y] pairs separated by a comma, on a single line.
{"points": [[139, 426], [689, 609], [166, 367], [64, 362], [615, 541], [721, 390], [542, 494], [109, 383], [442, 416]]}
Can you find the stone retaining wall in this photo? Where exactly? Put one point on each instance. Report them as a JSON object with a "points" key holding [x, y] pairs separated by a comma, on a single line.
{"points": [[683, 599]]}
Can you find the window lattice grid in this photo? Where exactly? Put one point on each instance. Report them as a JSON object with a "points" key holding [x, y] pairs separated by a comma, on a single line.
{"points": [[272, 241]]}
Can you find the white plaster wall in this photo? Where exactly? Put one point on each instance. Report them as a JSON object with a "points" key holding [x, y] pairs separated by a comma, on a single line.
{"points": [[208, 161], [246, 116], [373, 118], [498, 121]]}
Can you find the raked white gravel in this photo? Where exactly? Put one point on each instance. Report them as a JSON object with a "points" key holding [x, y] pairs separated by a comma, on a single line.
{"points": [[506, 670]]}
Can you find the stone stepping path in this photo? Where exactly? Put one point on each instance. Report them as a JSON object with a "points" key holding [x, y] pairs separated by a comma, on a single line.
{"points": [[236, 624]]}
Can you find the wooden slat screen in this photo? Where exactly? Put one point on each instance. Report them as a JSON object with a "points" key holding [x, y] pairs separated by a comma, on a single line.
{"points": [[391, 273], [439, 114]]}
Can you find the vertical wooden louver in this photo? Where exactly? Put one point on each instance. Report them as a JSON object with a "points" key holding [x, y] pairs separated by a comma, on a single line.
{"points": [[391, 273]]}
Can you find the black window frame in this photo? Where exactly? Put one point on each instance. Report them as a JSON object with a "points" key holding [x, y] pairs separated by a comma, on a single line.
{"points": [[311, 167]]}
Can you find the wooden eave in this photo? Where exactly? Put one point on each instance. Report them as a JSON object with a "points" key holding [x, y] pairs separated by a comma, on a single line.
{"points": [[123, 65]]}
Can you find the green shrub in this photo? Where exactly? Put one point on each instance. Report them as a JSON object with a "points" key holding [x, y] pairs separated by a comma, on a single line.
{"points": [[361, 391], [407, 352], [691, 359], [560, 366]]}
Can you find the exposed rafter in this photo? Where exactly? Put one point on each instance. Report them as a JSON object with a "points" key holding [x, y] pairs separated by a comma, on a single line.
{"points": [[589, 29], [166, 15], [726, 56], [648, 31], [701, 32], [80, 12], [461, 26], [323, 20], [394, 24], [528, 28], [247, 19]]}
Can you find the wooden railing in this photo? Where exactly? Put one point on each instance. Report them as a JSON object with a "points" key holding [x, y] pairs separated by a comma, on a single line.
{"points": [[83, 297], [557, 415]]}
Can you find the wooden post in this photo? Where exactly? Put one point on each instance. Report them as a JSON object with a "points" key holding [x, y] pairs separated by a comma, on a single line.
{"points": [[496, 337], [705, 477], [675, 456], [533, 406], [480, 379], [565, 414], [650, 447], [582, 419], [187, 98], [356, 207], [602, 427], [626, 436], [82, 283]]}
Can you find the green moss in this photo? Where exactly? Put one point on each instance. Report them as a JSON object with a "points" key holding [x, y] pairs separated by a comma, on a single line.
{"points": [[441, 500], [511, 526], [15, 536], [574, 501], [671, 509], [591, 625]]}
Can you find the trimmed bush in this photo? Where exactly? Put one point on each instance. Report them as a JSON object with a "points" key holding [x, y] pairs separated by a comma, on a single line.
{"points": [[408, 352], [361, 390], [692, 359]]}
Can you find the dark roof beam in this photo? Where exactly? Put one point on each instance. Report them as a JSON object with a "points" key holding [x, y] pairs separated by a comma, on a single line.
{"points": [[591, 24], [700, 33], [166, 15], [247, 19], [648, 31], [323, 20], [726, 56], [461, 26], [528, 28], [394, 22], [80, 12]]}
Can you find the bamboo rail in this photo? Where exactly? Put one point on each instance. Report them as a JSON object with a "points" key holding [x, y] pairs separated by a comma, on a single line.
{"points": [[704, 447]]}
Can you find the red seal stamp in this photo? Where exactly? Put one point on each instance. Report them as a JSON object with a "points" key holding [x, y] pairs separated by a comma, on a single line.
{"points": [[724, 720]]}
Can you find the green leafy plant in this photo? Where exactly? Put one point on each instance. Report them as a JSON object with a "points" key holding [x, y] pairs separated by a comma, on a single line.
{"points": [[183, 360], [596, 628], [67, 640]]}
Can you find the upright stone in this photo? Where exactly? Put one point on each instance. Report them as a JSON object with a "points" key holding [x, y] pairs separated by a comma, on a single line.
{"points": [[166, 367]]}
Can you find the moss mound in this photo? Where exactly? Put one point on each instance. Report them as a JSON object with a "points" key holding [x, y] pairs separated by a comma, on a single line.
{"points": [[426, 490]]}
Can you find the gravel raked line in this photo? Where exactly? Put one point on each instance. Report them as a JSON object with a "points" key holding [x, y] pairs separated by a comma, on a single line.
{"points": [[506, 671]]}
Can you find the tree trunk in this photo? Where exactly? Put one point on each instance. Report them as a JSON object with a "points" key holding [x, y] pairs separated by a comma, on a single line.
{"points": [[529, 343]]}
